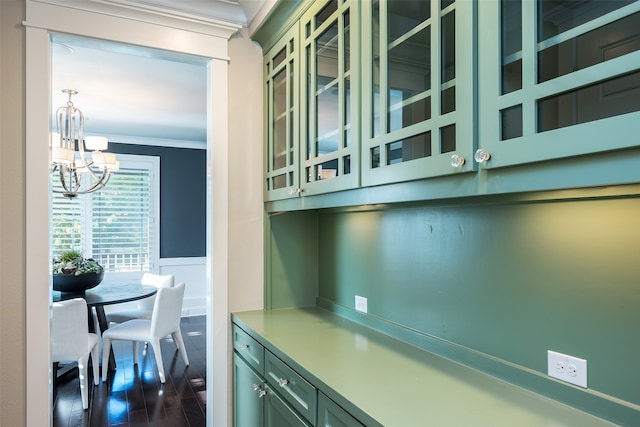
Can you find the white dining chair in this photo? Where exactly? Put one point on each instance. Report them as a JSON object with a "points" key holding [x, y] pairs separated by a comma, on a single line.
{"points": [[145, 306], [165, 320], [72, 342]]}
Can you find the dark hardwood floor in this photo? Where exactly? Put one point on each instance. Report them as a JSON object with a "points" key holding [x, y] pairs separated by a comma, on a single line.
{"points": [[133, 395]]}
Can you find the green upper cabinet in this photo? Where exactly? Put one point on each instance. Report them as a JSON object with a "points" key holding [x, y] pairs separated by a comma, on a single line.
{"points": [[281, 118], [330, 118], [418, 89], [559, 79]]}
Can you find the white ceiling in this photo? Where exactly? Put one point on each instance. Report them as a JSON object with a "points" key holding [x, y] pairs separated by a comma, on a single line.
{"points": [[132, 94]]}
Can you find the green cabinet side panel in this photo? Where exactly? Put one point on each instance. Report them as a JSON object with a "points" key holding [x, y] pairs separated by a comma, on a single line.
{"points": [[292, 260]]}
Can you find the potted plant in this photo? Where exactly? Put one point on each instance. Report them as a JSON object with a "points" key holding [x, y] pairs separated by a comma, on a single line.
{"points": [[75, 274]]}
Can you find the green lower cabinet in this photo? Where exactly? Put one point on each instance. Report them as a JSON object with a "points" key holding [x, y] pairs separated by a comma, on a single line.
{"points": [[255, 404], [332, 415]]}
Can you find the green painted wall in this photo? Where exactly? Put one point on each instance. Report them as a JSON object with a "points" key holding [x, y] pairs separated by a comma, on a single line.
{"points": [[509, 279]]}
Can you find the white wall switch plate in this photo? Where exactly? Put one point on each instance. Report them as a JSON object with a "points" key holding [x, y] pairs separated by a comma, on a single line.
{"points": [[361, 304], [567, 368]]}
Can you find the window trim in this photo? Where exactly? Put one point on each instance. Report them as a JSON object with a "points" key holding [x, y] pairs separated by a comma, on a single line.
{"points": [[151, 163]]}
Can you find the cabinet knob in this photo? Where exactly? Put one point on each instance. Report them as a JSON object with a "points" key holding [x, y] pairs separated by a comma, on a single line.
{"points": [[294, 191], [244, 346], [481, 155], [457, 161], [282, 382], [258, 388]]}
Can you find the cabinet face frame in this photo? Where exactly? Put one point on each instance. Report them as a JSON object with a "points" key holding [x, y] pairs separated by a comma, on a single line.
{"points": [[612, 133], [281, 118], [316, 93], [438, 163]]}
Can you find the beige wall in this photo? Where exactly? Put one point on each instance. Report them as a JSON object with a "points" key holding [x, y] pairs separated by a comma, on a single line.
{"points": [[245, 174], [12, 215]]}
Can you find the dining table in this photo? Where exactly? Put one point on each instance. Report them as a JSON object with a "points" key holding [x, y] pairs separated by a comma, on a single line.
{"points": [[107, 293]]}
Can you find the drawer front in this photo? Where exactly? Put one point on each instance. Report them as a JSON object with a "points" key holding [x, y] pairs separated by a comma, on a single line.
{"points": [[332, 415], [249, 349], [292, 387]]}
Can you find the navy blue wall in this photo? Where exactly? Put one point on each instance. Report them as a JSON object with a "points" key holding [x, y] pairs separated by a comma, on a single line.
{"points": [[182, 197]]}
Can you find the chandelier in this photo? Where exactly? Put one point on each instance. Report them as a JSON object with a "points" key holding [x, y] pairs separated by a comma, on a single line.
{"points": [[69, 160]]}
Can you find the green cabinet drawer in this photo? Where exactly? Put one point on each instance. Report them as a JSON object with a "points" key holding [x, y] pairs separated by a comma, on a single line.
{"points": [[250, 350], [332, 415], [292, 387]]}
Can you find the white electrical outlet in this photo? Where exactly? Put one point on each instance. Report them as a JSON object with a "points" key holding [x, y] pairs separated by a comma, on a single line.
{"points": [[567, 368], [361, 304]]}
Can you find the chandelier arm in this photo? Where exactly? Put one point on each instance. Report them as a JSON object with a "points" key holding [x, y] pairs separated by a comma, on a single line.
{"points": [[102, 181]]}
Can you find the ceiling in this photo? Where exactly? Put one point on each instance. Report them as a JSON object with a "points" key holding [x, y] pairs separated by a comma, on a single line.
{"points": [[140, 95]]}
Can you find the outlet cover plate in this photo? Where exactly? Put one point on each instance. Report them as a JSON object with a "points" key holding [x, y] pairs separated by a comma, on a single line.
{"points": [[567, 368], [361, 304]]}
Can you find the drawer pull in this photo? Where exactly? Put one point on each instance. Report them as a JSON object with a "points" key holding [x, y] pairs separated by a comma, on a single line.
{"points": [[282, 382], [244, 346], [261, 392]]}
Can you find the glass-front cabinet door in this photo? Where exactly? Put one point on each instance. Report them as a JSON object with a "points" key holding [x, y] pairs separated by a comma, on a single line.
{"points": [[281, 124], [418, 89], [565, 83], [329, 152]]}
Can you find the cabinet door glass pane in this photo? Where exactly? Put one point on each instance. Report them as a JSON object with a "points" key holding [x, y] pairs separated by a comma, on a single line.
{"points": [[409, 79], [511, 31], [555, 17], [280, 119], [327, 92], [511, 121], [375, 69], [448, 139], [326, 12], [405, 15], [448, 47], [415, 147], [609, 98], [602, 44]]}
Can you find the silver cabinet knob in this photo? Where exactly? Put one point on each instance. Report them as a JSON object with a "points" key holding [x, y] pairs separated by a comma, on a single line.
{"points": [[294, 191], [258, 388], [457, 161], [481, 155], [282, 382]]}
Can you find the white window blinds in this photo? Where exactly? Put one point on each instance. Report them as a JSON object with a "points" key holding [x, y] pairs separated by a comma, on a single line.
{"points": [[116, 225]]}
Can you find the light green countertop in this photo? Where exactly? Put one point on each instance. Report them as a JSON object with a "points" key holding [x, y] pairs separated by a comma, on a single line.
{"points": [[393, 383]]}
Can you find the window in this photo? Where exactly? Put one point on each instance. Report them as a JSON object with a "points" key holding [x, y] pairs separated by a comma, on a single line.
{"points": [[118, 225]]}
